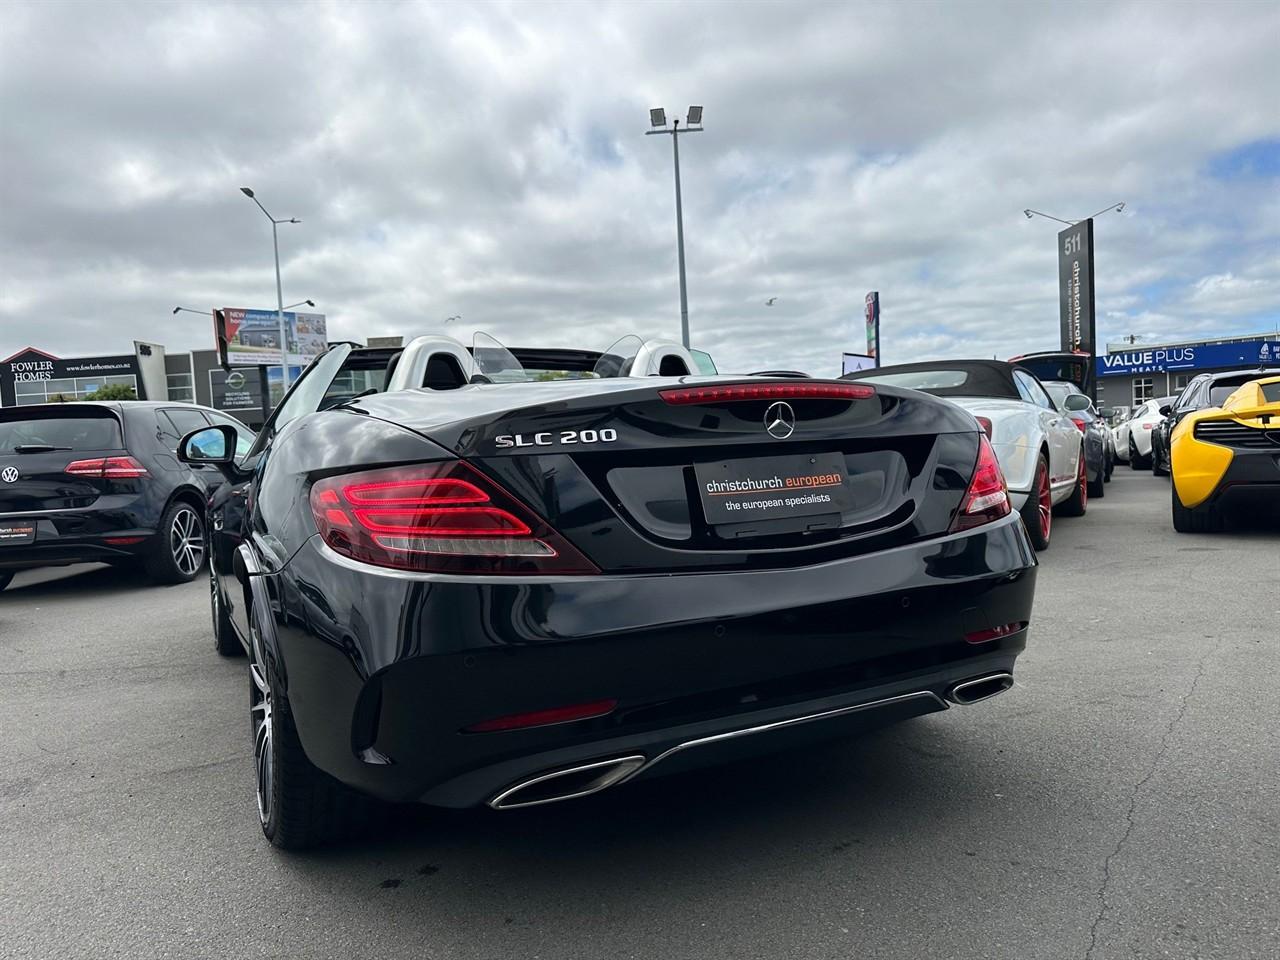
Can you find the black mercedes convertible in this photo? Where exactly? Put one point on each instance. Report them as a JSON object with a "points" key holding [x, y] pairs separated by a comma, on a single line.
{"points": [[473, 576]]}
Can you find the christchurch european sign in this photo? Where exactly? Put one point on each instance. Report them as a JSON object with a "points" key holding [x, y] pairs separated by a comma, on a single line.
{"points": [[1245, 354]]}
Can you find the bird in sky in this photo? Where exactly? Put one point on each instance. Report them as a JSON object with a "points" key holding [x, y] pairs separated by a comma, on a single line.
{"points": [[770, 301]]}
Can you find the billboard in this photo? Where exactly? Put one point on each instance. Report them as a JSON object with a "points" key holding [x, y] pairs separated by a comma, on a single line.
{"points": [[872, 311], [853, 362], [1075, 287], [252, 337]]}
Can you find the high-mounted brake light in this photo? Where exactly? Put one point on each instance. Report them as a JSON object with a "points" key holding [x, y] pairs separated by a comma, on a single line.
{"points": [[106, 468], [730, 393], [987, 498], [438, 517]]}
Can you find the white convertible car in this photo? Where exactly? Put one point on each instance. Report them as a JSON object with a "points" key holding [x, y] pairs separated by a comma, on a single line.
{"points": [[1040, 450], [1133, 435]]}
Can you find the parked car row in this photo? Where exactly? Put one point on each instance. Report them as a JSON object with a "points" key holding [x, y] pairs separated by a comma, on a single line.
{"points": [[1050, 444], [1223, 421]]}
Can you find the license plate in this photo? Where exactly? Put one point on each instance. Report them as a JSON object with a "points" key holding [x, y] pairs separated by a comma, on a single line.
{"points": [[773, 488], [16, 533]]}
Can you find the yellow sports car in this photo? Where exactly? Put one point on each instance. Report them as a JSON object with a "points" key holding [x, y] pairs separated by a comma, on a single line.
{"points": [[1228, 452]]}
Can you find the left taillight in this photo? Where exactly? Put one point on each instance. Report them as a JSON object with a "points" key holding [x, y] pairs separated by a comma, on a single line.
{"points": [[106, 468], [438, 518], [1081, 424], [987, 498]]}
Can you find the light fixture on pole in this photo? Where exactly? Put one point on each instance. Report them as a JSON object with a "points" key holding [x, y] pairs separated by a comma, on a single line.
{"points": [[693, 124], [309, 303], [1029, 213], [178, 310], [275, 242]]}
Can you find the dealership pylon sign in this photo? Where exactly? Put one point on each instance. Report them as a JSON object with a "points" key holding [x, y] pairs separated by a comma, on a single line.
{"points": [[1075, 287]]}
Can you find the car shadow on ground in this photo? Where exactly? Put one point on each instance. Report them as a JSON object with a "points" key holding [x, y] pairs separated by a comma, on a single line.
{"points": [[81, 580], [822, 800]]}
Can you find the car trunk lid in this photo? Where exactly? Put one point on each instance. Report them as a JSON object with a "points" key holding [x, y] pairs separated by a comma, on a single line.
{"points": [[38, 443]]}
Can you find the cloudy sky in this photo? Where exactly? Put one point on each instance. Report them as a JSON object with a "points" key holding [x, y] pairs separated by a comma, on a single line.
{"points": [[488, 160]]}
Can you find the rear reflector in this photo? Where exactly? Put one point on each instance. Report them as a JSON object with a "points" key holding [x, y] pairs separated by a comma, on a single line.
{"points": [[107, 468], [994, 633], [542, 718], [987, 498], [441, 518], [733, 392], [122, 541]]}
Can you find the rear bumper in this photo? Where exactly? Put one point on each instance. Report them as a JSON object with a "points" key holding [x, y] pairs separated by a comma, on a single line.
{"points": [[76, 537], [1250, 481], [384, 670]]}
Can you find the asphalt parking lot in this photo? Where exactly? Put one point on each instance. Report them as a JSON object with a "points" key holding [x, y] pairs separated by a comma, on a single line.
{"points": [[1123, 800]]}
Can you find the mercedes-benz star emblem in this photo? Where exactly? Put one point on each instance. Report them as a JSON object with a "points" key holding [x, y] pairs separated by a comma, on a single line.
{"points": [[780, 420], [9, 474]]}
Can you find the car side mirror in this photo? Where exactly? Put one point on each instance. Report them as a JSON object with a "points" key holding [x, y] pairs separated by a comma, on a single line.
{"points": [[1106, 413], [1076, 402], [214, 446], [1164, 410]]}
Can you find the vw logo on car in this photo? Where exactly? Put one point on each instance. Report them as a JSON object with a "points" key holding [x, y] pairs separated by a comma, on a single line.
{"points": [[780, 420], [9, 474]]}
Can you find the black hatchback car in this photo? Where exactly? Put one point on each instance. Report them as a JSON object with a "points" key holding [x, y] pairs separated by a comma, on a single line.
{"points": [[464, 590], [85, 482]]}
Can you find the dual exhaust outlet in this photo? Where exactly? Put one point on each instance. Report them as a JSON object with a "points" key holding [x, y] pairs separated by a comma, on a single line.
{"points": [[584, 779]]}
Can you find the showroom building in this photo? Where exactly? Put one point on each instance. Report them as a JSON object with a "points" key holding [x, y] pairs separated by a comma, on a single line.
{"points": [[1132, 373], [36, 375]]}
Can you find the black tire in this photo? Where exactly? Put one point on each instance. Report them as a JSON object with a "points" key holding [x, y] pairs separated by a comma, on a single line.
{"points": [[1136, 462], [1098, 488], [179, 549], [1039, 528], [1110, 464], [1158, 465], [1076, 504], [6, 577], [225, 641], [1205, 518], [299, 806]]}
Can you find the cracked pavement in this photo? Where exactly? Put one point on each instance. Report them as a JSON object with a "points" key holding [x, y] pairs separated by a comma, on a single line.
{"points": [[1122, 801]]}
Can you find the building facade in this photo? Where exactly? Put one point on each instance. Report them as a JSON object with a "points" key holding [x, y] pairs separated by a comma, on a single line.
{"points": [[1130, 374]]}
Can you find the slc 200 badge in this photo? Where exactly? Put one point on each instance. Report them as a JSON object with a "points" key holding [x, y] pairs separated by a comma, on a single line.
{"points": [[548, 439]]}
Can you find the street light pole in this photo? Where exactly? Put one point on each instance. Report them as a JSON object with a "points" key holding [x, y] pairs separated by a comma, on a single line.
{"points": [[275, 244], [658, 118]]}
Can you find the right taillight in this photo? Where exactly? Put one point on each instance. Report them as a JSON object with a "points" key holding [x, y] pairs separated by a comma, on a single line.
{"points": [[987, 498], [438, 518]]}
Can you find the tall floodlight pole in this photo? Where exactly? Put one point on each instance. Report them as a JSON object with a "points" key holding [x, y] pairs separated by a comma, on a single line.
{"points": [[275, 243], [693, 124]]}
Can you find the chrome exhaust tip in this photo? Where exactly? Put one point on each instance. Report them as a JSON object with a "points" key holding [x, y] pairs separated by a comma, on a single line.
{"points": [[980, 688], [568, 783]]}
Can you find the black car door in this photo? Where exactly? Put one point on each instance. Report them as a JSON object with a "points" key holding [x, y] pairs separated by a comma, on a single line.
{"points": [[233, 517]]}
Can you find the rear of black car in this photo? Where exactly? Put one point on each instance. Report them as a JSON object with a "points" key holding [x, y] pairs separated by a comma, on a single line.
{"points": [[71, 491], [555, 587]]}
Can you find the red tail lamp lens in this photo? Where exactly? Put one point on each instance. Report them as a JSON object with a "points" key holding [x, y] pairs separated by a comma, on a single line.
{"points": [[542, 718], [995, 633], [985, 424], [438, 517], [730, 393], [987, 498], [1081, 425], [107, 468]]}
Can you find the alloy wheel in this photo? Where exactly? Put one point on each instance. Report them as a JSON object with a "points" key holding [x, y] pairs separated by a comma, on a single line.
{"points": [[1045, 505], [260, 709], [186, 541]]}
